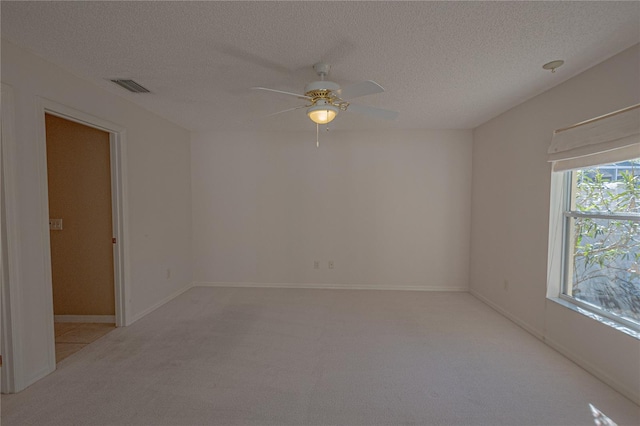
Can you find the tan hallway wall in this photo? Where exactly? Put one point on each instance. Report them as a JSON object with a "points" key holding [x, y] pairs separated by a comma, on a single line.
{"points": [[79, 179]]}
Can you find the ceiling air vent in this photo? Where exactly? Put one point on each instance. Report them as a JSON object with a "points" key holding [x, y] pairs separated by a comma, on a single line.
{"points": [[130, 85]]}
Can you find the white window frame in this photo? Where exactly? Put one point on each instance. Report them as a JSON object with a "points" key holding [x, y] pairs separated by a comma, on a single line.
{"points": [[564, 289]]}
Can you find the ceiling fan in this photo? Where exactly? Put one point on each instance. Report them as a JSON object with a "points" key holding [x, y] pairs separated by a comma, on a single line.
{"points": [[325, 99]]}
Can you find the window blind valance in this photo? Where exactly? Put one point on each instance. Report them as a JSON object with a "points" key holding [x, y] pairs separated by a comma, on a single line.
{"points": [[607, 139]]}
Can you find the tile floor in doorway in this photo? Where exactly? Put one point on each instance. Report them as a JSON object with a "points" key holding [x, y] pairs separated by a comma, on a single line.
{"points": [[73, 336]]}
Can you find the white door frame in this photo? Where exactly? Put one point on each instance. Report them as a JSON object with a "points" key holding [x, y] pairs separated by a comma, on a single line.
{"points": [[13, 378], [12, 370], [117, 141]]}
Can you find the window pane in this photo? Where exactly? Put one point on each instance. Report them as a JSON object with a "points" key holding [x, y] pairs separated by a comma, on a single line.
{"points": [[605, 265], [609, 188], [604, 252]]}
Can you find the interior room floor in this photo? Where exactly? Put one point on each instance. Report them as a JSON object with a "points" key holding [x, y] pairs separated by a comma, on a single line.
{"points": [[73, 336], [254, 356]]}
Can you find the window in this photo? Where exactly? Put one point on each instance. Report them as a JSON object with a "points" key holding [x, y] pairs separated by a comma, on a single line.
{"points": [[594, 223], [602, 240]]}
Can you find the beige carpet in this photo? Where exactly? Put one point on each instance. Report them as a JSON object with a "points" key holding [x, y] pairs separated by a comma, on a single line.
{"points": [[222, 356]]}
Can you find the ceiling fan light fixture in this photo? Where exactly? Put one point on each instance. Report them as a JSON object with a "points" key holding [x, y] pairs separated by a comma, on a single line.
{"points": [[322, 114]]}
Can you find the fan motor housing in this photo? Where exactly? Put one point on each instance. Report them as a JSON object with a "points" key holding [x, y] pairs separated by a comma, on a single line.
{"points": [[328, 86]]}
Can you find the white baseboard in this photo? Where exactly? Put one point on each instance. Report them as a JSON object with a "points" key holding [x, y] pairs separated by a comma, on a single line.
{"points": [[630, 393], [509, 315], [155, 306], [108, 319], [331, 286]]}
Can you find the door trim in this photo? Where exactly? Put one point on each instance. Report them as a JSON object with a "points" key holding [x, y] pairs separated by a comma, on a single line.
{"points": [[117, 141], [12, 369]]}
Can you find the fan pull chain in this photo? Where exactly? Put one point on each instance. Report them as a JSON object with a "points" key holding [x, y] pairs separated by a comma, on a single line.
{"points": [[317, 135]]}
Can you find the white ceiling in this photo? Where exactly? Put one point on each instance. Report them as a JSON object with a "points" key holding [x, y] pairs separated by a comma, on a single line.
{"points": [[443, 64]]}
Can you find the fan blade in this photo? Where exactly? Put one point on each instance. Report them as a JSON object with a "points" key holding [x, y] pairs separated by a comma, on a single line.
{"points": [[286, 110], [243, 55], [281, 92], [385, 114], [359, 89]]}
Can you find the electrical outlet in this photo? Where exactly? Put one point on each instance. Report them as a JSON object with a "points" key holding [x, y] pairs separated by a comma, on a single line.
{"points": [[316, 264], [331, 264]]}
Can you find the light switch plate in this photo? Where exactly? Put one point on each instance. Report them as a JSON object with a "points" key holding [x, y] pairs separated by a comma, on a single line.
{"points": [[55, 224]]}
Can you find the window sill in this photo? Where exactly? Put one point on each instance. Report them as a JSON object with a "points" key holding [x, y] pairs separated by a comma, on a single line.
{"points": [[603, 320]]}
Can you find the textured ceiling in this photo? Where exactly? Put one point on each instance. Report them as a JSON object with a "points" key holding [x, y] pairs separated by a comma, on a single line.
{"points": [[443, 64]]}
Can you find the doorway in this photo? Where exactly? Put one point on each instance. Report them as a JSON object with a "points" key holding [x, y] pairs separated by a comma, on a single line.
{"points": [[81, 231], [15, 326]]}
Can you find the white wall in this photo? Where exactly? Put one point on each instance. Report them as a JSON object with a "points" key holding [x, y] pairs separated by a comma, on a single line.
{"points": [[510, 216], [158, 198], [391, 209]]}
